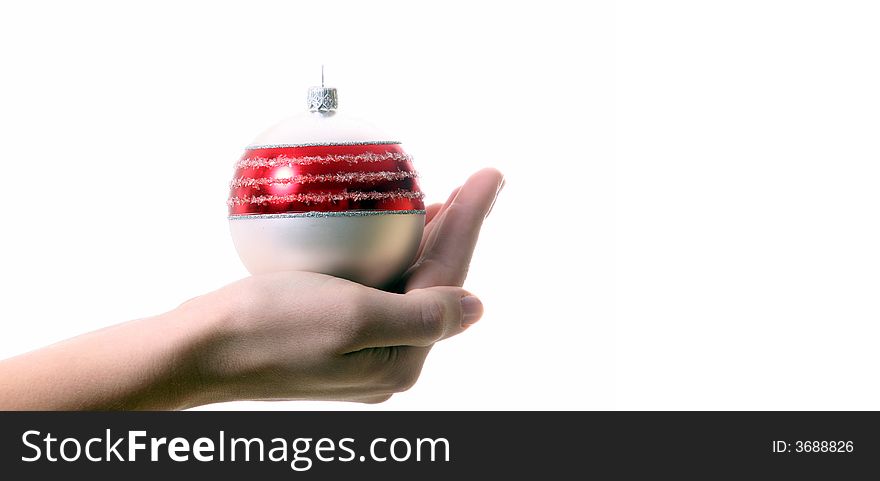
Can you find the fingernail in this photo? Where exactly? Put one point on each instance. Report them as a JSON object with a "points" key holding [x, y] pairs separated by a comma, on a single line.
{"points": [[471, 310], [500, 186]]}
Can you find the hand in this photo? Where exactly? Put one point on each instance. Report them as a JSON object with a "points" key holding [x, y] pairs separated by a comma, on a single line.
{"points": [[298, 335], [289, 335], [451, 233]]}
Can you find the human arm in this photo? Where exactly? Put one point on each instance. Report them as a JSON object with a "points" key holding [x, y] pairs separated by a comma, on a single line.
{"points": [[288, 335]]}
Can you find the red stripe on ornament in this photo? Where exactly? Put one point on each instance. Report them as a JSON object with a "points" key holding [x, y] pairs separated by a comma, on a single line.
{"points": [[332, 178], [346, 177]]}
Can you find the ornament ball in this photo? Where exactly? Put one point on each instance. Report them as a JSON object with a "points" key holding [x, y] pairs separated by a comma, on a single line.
{"points": [[323, 192]]}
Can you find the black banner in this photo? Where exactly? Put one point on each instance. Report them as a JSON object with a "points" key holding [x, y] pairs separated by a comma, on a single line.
{"points": [[399, 445]]}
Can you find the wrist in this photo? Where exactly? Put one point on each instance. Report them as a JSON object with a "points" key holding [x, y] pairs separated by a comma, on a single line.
{"points": [[201, 328]]}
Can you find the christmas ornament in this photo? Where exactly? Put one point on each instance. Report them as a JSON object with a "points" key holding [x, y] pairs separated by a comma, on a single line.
{"points": [[323, 192]]}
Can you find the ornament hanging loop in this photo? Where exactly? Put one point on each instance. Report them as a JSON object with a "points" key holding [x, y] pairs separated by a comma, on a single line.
{"points": [[322, 99]]}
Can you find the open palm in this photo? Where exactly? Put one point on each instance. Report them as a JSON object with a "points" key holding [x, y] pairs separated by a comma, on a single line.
{"points": [[451, 233]]}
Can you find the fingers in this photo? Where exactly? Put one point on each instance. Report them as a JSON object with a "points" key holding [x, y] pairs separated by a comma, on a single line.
{"points": [[396, 331], [417, 318], [430, 225], [452, 236], [431, 211]]}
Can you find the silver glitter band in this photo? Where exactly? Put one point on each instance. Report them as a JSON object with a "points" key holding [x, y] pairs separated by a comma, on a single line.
{"points": [[320, 144], [359, 177], [251, 162], [352, 213], [321, 197]]}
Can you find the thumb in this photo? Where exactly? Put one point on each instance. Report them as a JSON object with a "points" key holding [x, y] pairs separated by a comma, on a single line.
{"points": [[420, 317]]}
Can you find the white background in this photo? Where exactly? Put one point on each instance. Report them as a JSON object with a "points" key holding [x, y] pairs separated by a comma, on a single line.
{"points": [[691, 212]]}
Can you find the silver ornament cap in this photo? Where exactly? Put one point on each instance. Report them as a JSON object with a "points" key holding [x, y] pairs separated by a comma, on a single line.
{"points": [[322, 99]]}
